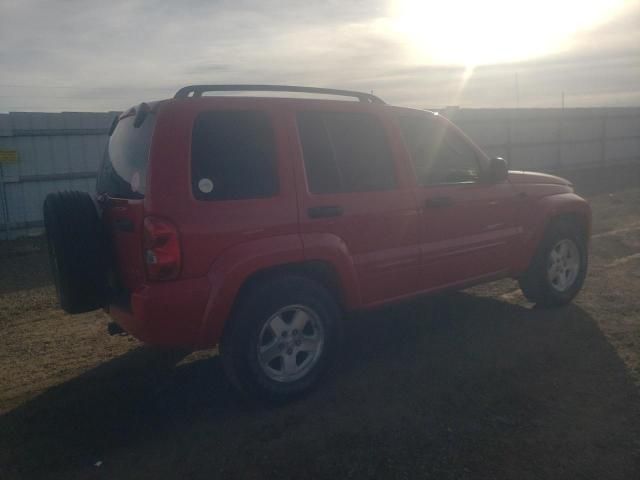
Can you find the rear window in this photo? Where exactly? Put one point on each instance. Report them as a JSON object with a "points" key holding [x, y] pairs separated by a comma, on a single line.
{"points": [[233, 156], [345, 152], [124, 167]]}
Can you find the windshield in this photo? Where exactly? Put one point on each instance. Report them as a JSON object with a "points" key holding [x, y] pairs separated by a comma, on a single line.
{"points": [[123, 172]]}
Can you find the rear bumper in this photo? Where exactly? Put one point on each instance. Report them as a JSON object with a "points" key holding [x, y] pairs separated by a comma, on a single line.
{"points": [[167, 314]]}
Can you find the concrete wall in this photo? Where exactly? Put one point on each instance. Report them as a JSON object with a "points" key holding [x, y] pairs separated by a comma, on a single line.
{"points": [[61, 151]]}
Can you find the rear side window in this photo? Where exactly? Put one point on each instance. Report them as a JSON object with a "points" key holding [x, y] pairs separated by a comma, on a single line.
{"points": [[233, 156], [345, 152], [123, 173]]}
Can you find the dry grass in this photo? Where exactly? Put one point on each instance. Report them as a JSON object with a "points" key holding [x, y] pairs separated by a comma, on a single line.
{"points": [[40, 345]]}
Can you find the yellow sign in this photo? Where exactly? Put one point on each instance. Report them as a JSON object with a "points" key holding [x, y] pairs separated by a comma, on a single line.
{"points": [[8, 156]]}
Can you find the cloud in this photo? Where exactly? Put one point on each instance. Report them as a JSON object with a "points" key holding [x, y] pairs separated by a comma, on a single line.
{"points": [[73, 55]]}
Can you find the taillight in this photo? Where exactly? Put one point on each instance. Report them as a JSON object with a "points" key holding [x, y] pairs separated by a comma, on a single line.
{"points": [[162, 255]]}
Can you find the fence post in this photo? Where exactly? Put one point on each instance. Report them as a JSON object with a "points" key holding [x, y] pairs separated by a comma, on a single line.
{"points": [[603, 139], [3, 204], [560, 140], [509, 122]]}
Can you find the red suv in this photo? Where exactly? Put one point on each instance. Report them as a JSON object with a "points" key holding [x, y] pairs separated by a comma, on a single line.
{"points": [[256, 222]]}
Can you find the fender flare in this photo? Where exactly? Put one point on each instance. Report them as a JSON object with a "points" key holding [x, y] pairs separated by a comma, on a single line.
{"points": [[546, 210], [235, 266], [330, 248]]}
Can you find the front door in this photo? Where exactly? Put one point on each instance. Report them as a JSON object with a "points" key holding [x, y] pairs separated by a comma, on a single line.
{"points": [[469, 224]]}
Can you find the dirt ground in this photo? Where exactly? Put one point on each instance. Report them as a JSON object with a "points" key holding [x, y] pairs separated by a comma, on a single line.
{"points": [[477, 384]]}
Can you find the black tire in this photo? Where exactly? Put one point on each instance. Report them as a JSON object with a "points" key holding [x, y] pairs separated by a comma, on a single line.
{"points": [[242, 337], [536, 285], [77, 250]]}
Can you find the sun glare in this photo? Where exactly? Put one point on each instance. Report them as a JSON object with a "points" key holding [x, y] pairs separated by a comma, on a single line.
{"points": [[473, 32]]}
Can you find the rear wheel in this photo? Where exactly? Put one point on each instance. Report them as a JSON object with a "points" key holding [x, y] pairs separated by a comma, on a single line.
{"points": [[77, 250], [282, 338], [559, 267]]}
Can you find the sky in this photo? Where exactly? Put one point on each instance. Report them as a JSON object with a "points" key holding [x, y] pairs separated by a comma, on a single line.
{"points": [[68, 55]]}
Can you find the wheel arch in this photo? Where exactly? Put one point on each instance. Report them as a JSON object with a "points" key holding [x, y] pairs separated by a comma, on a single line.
{"points": [[553, 210], [577, 219], [320, 271], [240, 269]]}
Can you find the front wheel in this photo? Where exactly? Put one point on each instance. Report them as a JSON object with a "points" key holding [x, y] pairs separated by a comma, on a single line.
{"points": [[281, 338], [559, 267]]}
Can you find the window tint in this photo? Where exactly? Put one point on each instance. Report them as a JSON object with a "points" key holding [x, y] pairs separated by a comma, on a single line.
{"points": [[345, 152], [439, 153], [233, 156], [123, 172]]}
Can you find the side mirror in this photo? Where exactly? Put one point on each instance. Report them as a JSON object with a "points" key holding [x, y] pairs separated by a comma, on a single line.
{"points": [[498, 170]]}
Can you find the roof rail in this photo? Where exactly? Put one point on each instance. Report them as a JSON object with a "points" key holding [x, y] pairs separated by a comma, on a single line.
{"points": [[198, 90]]}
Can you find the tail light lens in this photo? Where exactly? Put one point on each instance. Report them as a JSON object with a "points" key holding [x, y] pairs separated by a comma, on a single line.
{"points": [[162, 255]]}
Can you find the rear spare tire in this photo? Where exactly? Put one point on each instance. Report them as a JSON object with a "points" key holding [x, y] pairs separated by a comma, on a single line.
{"points": [[77, 250]]}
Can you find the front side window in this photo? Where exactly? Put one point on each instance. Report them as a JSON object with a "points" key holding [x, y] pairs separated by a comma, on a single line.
{"points": [[440, 154], [233, 156], [345, 152]]}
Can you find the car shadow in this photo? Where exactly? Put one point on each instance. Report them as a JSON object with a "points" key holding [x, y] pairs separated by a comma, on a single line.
{"points": [[457, 386]]}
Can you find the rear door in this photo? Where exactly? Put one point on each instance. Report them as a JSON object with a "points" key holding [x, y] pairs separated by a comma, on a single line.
{"points": [[469, 224], [352, 186]]}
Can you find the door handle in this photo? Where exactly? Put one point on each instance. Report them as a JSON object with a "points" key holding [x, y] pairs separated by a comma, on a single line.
{"points": [[438, 202], [325, 211]]}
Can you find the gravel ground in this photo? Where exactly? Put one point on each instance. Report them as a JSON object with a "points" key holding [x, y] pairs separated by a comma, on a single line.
{"points": [[477, 384]]}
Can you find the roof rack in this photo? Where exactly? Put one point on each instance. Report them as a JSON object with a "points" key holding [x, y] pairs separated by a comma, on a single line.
{"points": [[198, 90]]}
